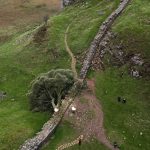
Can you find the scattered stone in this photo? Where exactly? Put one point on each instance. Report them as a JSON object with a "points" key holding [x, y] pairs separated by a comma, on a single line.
{"points": [[137, 60], [135, 73], [99, 38]]}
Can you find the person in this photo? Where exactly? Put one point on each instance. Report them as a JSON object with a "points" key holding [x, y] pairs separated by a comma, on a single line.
{"points": [[124, 101], [119, 99], [115, 145], [80, 140], [45, 19], [4, 93], [121, 75]]}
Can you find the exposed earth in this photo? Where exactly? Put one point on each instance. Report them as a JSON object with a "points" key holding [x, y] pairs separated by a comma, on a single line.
{"points": [[88, 119]]}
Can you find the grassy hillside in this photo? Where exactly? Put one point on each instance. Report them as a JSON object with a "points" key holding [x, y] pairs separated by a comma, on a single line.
{"points": [[20, 64], [128, 124]]}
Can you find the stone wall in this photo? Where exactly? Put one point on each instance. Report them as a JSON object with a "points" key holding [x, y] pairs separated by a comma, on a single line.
{"points": [[48, 129], [100, 36]]}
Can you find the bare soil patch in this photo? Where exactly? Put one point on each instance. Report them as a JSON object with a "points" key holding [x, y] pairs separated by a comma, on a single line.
{"points": [[88, 119]]}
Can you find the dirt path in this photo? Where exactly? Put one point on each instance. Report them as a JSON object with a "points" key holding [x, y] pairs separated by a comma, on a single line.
{"points": [[96, 125], [89, 116], [73, 60], [88, 119]]}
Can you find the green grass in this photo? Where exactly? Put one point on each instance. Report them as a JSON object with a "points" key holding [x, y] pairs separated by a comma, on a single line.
{"points": [[19, 65], [84, 21], [133, 27], [124, 122], [64, 134], [17, 123], [87, 23]]}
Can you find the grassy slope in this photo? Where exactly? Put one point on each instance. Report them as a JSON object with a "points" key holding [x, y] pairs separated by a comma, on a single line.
{"points": [[16, 73], [20, 65], [84, 22], [87, 26], [124, 122], [133, 27]]}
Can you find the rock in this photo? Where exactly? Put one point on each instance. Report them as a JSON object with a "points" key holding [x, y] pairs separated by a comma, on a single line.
{"points": [[135, 73], [137, 60]]}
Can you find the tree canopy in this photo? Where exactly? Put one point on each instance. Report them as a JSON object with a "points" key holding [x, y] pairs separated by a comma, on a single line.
{"points": [[50, 88]]}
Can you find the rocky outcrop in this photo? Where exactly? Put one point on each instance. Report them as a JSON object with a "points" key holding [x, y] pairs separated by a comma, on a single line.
{"points": [[68, 2], [97, 63], [100, 36], [36, 142]]}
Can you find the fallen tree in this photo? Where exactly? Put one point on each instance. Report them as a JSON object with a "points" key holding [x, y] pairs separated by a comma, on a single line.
{"points": [[49, 89]]}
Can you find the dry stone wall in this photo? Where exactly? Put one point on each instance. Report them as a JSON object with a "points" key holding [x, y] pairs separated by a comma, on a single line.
{"points": [[36, 142], [100, 36]]}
